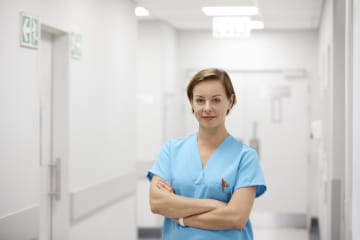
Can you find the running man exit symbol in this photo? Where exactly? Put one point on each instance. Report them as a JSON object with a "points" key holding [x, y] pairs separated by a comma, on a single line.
{"points": [[29, 31]]}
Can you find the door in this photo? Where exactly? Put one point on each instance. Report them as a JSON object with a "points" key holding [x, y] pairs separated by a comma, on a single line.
{"points": [[54, 206]]}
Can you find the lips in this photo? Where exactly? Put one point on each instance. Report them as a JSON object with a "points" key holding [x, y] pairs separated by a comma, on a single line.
{"points": [[208, 117]]}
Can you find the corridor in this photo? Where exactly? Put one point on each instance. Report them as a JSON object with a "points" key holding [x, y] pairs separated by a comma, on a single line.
{"points": [[94, 93]]}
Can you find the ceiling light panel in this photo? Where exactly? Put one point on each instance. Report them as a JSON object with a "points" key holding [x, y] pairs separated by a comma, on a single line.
{"points": [[141, 12], [231, 27]]}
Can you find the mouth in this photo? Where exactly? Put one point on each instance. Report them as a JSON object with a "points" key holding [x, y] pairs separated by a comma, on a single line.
{"points": [[208, 117]]}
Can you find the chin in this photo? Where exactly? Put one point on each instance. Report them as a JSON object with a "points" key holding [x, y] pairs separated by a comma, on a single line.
{"points": [[209, 126]]}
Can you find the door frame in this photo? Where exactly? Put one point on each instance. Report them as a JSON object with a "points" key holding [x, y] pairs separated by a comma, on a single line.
{"points": [[60, 131]]}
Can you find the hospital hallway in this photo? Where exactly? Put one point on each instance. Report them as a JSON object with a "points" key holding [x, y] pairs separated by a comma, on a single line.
{"points": [[93, 98]]}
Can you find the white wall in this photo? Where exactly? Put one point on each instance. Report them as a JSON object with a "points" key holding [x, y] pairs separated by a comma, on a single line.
{"points": [[322, 95], [264, 50], [157, 104], [102, 118], [152, 79], [19, 111], [352, 197], [332, 98], [103, 96], [355, 219]]}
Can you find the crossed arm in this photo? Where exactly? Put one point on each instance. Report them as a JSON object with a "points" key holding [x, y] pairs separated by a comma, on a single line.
{"points": [[202, 213]]}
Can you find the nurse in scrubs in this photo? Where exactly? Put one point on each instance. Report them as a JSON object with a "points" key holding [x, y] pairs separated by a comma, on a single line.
{"points": [[205, 184]]}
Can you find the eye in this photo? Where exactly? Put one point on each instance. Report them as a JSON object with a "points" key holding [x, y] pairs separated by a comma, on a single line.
{"points": [[199, 100], [216, 100]]}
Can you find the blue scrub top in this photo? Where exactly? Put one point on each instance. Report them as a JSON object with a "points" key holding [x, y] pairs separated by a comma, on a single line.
{"points": [[179, 163]]}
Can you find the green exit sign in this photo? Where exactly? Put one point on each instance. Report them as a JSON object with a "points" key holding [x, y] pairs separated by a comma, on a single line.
{"points": [[75, 45], [29, 31]]}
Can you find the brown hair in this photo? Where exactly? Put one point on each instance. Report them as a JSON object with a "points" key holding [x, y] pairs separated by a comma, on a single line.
{"points": [[212, 74]]}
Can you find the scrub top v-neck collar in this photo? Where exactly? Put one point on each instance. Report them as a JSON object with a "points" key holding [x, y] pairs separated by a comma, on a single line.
{"points": [[213, 154]]}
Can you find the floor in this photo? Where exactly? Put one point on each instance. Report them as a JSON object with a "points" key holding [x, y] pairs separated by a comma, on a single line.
{"points": [[281, 234], [277, 234]]}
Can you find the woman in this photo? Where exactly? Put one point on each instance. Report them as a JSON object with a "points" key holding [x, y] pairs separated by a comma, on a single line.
{"points": [[205, 184]]}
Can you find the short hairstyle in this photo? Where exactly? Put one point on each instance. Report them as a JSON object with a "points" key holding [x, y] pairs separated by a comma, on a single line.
{"points": [[212, 74]]}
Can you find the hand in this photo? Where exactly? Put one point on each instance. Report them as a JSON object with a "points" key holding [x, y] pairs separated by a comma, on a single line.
{"points": [[165, 186]]}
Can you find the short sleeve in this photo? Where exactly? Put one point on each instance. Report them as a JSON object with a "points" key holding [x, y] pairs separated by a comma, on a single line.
{"points": [[250, 172], [161, 167]]}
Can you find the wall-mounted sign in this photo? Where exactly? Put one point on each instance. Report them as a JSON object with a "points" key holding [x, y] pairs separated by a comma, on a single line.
{"points": [[75, 45], [29, 31]]}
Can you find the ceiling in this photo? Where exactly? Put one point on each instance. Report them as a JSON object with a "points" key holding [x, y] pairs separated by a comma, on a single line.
{"points": [[276, 14]]}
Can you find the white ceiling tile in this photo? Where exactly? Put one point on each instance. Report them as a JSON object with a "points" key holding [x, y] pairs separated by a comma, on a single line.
{"points": [[276, 14]]}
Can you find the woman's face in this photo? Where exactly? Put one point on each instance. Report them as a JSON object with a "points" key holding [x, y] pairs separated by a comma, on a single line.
{"points": [[210, 104]]}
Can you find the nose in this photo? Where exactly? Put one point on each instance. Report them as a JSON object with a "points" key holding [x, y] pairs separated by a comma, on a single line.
{"points": [[207, 106]]}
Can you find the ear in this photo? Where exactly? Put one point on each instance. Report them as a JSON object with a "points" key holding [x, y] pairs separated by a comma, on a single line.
{"points": [[231, 101], [192, 107], [231, 104]]}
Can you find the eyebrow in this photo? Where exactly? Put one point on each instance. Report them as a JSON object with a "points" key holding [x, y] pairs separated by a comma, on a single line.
{"points": [[217, 95]]}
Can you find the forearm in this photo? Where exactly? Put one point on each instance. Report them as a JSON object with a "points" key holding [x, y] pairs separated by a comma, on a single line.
{"points": [[168, 204], [218, 219], [174, 206], [234, 215]]}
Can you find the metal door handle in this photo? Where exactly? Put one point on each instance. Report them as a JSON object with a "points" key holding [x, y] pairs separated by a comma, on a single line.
{"points": [[55, 169]]}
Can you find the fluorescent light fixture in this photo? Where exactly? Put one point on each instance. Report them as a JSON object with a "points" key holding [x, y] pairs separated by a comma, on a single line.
{"points": [[231, 11], [231, 27], [256, 25], [141, 12]]}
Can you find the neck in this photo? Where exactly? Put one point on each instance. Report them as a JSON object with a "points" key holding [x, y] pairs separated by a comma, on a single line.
{"points": [[213, 136]]}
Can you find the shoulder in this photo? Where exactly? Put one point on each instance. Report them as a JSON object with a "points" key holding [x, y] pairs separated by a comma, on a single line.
{"points": [[242, 147], [177, 143]]}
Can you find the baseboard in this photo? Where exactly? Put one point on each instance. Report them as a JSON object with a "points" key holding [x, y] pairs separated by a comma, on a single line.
{"points": [[153, 232], [314, 229]]}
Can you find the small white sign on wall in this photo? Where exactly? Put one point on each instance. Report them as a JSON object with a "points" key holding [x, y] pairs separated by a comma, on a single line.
{"points": [[75, 45], [29, 31]]}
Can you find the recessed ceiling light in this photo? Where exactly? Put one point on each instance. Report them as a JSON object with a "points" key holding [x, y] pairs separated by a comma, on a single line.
{"points": [[141, 12], [231, 11], [231, 27]]}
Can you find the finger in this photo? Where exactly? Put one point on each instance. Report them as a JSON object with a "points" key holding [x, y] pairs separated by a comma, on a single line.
{"points": [[163, 187], [166, 185]]}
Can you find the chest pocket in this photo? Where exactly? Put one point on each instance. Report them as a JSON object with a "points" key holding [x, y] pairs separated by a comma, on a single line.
{"points": [[220, 190]]}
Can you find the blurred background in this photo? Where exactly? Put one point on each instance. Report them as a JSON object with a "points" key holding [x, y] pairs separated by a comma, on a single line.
{"points": [[90, 90]]}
